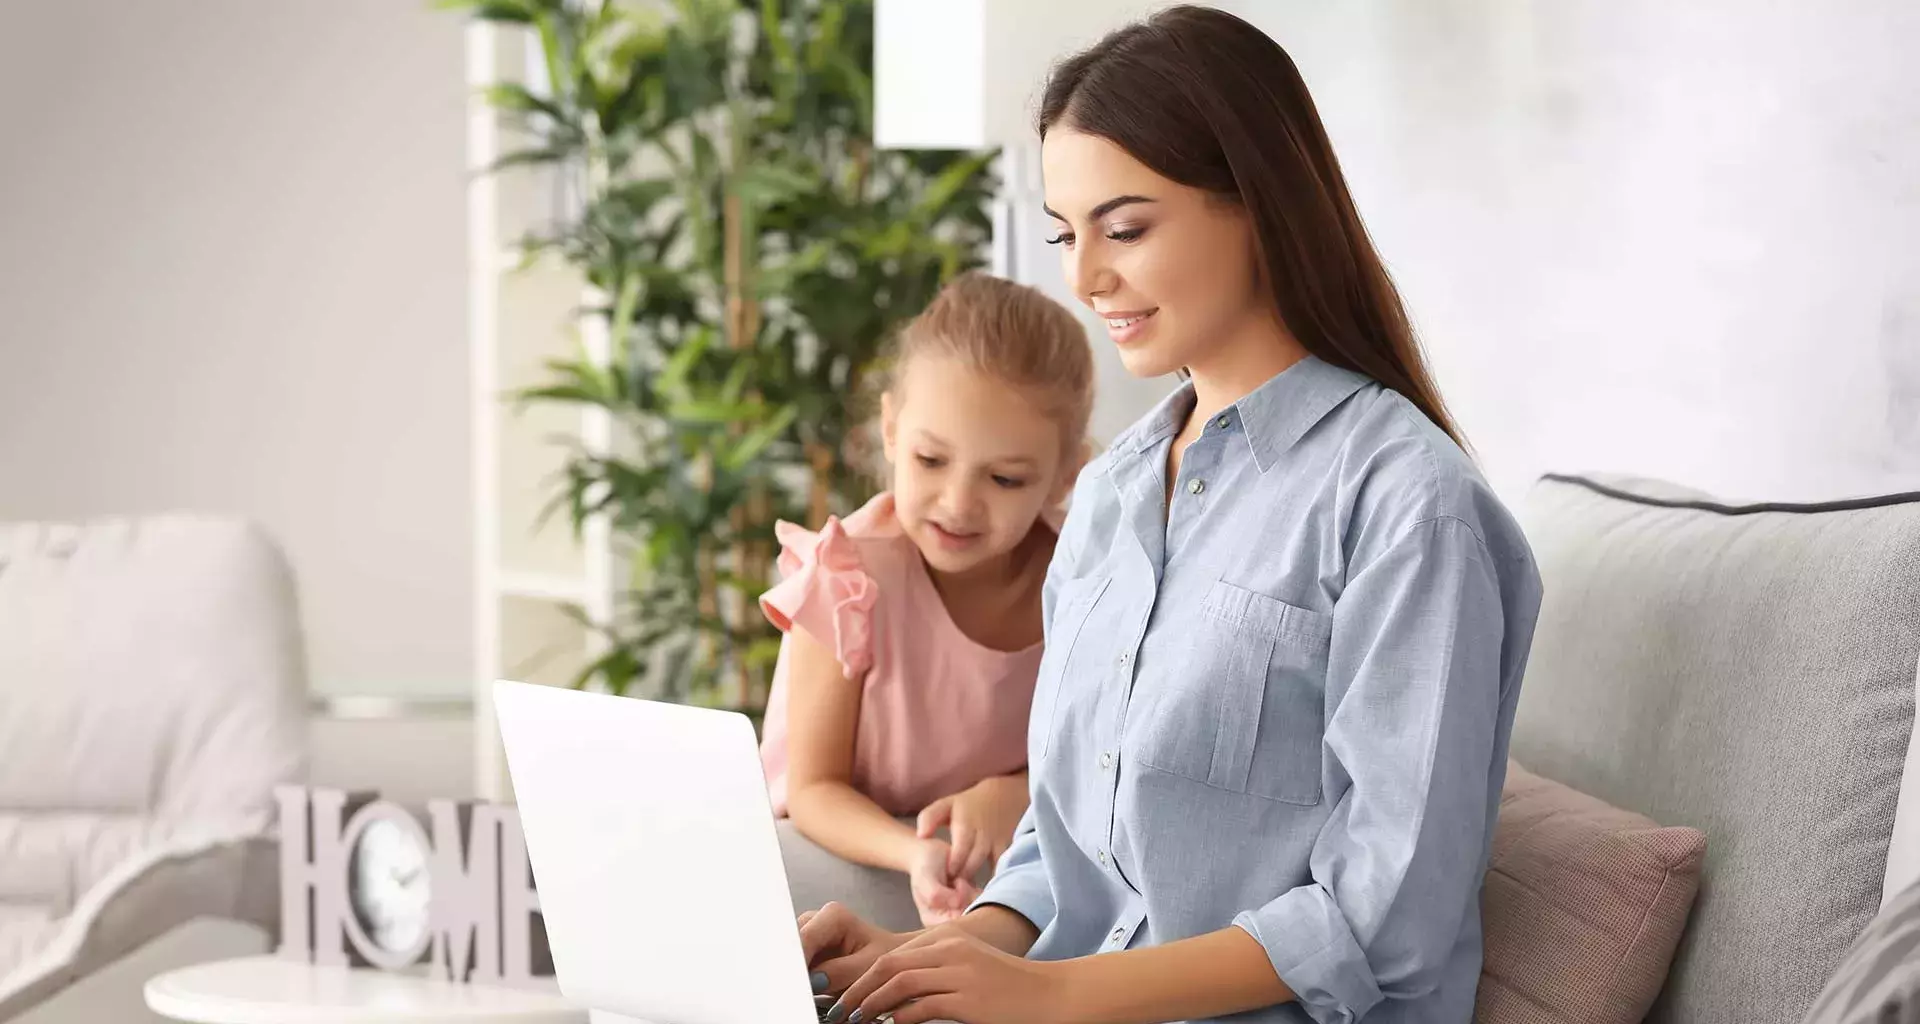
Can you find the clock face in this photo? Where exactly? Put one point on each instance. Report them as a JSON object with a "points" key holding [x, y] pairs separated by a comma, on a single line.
{"points": [[391, 886]]}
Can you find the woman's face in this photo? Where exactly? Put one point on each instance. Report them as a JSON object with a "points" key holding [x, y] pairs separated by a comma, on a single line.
{"points": [[1170, 268]]}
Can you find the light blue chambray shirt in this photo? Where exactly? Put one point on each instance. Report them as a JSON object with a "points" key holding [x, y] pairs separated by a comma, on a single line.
{"points": [[1283, 703]]}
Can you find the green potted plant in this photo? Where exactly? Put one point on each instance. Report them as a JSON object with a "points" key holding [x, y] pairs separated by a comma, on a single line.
{"points": [[749, 251]]}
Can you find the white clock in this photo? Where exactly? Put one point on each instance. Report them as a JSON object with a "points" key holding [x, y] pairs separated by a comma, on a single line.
{"points": [[390, 886]]}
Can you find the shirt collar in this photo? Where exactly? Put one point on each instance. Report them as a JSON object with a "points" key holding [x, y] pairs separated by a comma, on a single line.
{"points": [[1272, 417]]}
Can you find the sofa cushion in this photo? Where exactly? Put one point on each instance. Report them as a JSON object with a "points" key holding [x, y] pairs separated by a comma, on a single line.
{"points": [[1583, 905], [1879, 981], [147, 666], [1745, 670]]}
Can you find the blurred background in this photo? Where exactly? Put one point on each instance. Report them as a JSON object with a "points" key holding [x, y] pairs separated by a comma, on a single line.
{"points": [[250, 267]]}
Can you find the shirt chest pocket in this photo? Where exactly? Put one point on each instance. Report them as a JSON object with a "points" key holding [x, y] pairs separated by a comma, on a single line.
{"points": [[1071, 609], [1239, 702]]}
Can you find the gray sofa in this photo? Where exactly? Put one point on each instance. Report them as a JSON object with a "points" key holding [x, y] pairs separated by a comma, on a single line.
{"points": [[816, 877], [1749, 671]]}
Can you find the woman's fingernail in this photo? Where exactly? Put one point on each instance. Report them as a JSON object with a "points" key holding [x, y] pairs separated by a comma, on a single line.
{"points": [[834, 1012], [819, 979], [855, 1019]]}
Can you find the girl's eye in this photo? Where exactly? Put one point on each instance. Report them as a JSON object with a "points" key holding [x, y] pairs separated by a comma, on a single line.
{"points": [[1128, 235], [1010, 483], [929, 461], [1063, 238]]}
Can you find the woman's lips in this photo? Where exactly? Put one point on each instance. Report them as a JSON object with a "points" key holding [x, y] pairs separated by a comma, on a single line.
{"points": [[1128, 326]]}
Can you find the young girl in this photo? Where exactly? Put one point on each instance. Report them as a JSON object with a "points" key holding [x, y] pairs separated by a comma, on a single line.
{"points": [[1287, 620], [913, 628]]}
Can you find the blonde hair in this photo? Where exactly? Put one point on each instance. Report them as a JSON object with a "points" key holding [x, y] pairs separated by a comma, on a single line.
{"points": [[1012, 333]]}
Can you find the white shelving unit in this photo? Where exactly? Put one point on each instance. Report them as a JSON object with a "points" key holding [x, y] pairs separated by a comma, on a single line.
{"points": [[527, 572]]}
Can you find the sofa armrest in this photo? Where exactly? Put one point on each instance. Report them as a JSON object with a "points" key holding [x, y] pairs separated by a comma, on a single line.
{"points": [[230, 874]]}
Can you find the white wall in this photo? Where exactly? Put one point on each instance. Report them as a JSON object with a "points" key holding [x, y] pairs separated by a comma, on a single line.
{"points": [[1673, 239], [232, 278]]}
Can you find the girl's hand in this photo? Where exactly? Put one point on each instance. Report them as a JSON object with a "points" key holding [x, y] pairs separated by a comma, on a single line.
{"points": [[840, 946], [981, 820], [950, 974], [939, 895]]}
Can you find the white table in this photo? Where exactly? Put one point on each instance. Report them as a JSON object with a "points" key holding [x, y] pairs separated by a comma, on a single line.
{"points": [[275, 990]]}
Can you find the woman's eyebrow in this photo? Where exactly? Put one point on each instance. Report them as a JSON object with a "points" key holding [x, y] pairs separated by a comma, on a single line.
{"points": [[1103, 209]]}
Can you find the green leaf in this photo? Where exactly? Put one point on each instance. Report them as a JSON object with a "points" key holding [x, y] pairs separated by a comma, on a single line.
{"points": [[558, 393], [757, 440], [736, 382], [621, 322], [503, 11], [673, 379], [773, 31], [515, 98], [531, 158], [941, 193], [634, 199], [710, 411], [764, 184]]}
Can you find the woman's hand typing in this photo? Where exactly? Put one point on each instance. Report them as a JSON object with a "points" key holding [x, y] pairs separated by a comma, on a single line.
{"points": [[950, 973], [841, 946], [874, 970]]}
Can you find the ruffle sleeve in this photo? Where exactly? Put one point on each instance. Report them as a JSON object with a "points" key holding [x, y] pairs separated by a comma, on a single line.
{"points": [[825, 590]]}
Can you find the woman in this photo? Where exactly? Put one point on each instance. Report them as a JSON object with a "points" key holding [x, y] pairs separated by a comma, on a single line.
{"points": [[1287, 619]]}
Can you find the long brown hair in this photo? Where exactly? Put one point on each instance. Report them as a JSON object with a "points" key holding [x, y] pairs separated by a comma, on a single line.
{"points": [[1211, 102]]}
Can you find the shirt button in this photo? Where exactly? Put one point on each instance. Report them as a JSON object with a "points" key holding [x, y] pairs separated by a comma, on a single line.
{"points": [[1102, 857], [1125, 657], [1221, 423], [1106, 760], [1197, 486], [1118, 934]]}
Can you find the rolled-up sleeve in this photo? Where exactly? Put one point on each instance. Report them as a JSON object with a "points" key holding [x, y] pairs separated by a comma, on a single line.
{"points": [[1414, 680], [1020, 882]]}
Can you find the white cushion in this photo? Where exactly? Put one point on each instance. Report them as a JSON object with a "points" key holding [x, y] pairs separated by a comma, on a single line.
{"points": [[147, 666]]}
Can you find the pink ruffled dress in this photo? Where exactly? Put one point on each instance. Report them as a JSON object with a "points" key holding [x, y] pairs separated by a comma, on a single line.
{"points": [[938, 712]]}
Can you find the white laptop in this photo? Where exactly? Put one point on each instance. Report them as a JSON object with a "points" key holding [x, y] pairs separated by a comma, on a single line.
{"points": [[653, 850]]}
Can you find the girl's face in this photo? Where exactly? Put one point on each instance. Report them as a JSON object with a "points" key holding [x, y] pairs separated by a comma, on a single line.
{"points": [[1170, 268], [974, 460]]}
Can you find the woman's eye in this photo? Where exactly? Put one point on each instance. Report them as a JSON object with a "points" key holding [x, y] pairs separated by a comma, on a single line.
{"points": [[1127, 235], [1010, 483], [1063, 238], [929, 461]]}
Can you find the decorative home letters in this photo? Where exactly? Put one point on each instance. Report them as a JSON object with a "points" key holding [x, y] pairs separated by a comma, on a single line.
{"points": [[482, 906]]}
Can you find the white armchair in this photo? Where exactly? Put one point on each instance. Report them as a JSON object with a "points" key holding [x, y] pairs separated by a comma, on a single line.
{"points": [[152, 695]]}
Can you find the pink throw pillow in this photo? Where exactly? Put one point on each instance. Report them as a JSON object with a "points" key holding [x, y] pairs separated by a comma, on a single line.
{"points": [[1583, 906]]}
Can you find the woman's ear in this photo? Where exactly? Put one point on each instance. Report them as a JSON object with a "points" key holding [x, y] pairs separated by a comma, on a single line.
{"points": [[889, 425]]}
